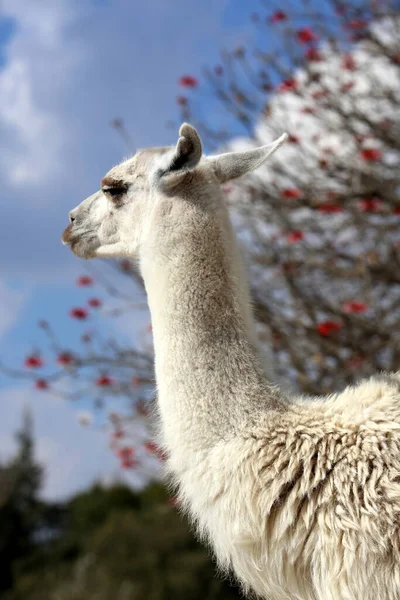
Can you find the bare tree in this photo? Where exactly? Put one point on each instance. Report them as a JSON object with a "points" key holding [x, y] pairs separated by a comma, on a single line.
{"points": [[321, 227]]}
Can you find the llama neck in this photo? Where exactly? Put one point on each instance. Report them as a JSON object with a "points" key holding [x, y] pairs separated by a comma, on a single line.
{"points": [[209, 377]]}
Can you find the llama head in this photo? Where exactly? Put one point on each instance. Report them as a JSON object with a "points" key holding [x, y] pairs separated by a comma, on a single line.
{"points": [[114, 220]]}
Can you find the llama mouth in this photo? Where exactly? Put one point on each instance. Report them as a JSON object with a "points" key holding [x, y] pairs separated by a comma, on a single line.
{"points": [[66, 237], [70, 238], [83, 246]]}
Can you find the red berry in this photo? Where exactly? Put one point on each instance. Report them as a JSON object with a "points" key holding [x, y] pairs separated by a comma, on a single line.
{"points": [[292, 193], [313, 55], [278, 16], [125, 265], [142, 410], [370, 204], [318, 94], [41, 384], [126, 452], [355, 307], [65, 358], [95, 302], [78, 313], [118, 434], [330, 208], [156, 450], [188, 81], [326, 328], [294, 236], [306, 35], [84, 280], [347, 86], [371, 154], [129, 463], [33, 362], [104, 381], [288, 85], [151, 447], [349, 63]]}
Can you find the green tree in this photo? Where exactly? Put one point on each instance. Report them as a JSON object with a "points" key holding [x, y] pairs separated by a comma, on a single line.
{"points": [[20, 481], [121, 545]]}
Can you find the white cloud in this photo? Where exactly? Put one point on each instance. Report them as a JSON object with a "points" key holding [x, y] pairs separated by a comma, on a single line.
{"points": [[35, 58], [65, 49], [11, 302], [373, 76], [30, 156], [70, 68]]}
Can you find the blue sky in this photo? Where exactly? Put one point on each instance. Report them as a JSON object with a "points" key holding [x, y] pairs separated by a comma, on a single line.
{"points": [[68, 67]]}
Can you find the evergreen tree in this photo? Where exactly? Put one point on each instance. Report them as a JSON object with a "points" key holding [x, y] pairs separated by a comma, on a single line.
{"points": [[20, 481], [117, 544]]}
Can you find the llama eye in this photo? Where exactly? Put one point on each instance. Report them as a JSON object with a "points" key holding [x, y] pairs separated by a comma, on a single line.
{"points": [[113, 191]]}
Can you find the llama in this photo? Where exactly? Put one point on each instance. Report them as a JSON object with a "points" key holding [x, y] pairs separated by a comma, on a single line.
{"points": [[300, 497]]}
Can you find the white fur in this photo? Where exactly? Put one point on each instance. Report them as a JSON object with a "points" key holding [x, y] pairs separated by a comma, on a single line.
{"points": [[299, 496]]}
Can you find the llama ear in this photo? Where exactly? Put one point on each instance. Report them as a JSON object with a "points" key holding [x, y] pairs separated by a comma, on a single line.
{"points": [[187, 153], [235, 164]]}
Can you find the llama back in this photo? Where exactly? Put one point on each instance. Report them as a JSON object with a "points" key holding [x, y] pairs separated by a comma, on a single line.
{"points": [[307, 505]]}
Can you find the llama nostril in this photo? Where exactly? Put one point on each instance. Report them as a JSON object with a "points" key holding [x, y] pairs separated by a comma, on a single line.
{"points": [[71, 218]]}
